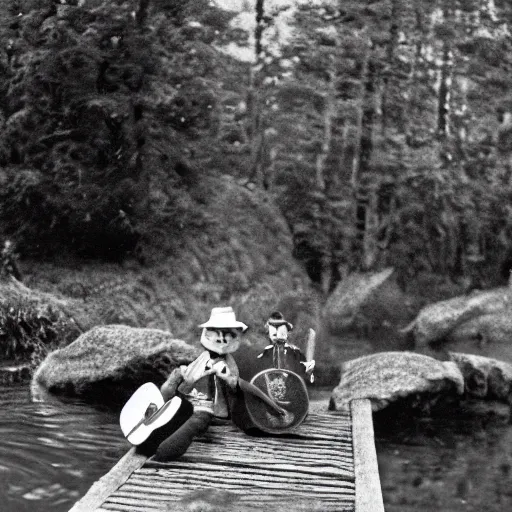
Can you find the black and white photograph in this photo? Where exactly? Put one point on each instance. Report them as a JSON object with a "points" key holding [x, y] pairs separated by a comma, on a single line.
{"points": [[255, 255]]}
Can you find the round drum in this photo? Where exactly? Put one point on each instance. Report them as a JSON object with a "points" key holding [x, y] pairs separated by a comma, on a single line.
{"points": [[288, 390]]}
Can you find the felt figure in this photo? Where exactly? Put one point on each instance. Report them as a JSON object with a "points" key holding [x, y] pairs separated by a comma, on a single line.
{"points": [[281, 354], [205, 383], [284, 380], [208, 387]]}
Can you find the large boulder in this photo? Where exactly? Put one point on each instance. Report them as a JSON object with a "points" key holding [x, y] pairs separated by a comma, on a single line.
{"points": [[353, 303], [436, 322], [484, 329], [108, 363], [387, 377], [485, 377]]}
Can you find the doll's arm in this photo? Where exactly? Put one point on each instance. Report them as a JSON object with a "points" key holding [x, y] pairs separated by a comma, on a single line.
{"points": [[169, 387], [309, 366]]}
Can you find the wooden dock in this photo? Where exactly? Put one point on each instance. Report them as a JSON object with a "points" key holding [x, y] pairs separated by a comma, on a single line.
{"points": [[328, 465]]}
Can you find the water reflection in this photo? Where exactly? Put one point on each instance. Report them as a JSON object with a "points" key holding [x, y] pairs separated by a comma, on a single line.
{"points": [[52, 452], [446, 465]]}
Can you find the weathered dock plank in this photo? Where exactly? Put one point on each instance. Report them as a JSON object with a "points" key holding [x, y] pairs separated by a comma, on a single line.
{"points": [[327, 465], [368, 489], [109, 483]]}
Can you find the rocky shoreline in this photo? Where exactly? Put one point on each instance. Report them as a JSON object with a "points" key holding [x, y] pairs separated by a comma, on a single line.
{"points": [[15, 374]]}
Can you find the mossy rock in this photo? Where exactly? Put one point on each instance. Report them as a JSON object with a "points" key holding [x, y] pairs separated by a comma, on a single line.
{"points": [[485, 377], [388, 377], [108, 363], [363, 300], [436, 322]]}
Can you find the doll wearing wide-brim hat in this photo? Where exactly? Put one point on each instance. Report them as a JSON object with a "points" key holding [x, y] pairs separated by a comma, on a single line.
{"points": [[204, 385]]}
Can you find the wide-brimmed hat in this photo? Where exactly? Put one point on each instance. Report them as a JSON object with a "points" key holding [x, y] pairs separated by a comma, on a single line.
{"points": [[223, 318], [276, 319]]}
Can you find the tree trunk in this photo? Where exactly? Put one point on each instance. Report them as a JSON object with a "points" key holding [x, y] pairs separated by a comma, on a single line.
{"points": [[366, 145], [371, 229], [270, 171], [356, 161], [364, 150], [329, 114], [253, 98], [260, 26], [445, 77], [142, 12], [142, 173], [443, 98], [394, 30], [412, 85]]}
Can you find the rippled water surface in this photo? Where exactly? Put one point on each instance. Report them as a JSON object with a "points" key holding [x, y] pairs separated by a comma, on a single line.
{"points": [[448, 464], [50, 453]]}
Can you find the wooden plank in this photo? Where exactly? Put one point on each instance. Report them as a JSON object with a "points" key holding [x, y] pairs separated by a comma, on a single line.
{"points": [[305, 451], [321, 436], [109, 483], [242, 492], [270, 469], [228, 438], [368, 489], [173, 502], [231, 480], [274, 503], [245, 488], [233, 458]]}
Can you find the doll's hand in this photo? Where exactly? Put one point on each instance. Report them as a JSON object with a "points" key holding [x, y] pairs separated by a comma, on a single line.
{"points": [[222, 371], [309, 366]]}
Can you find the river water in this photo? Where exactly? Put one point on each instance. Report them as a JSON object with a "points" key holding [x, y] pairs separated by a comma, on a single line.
{"points": [[50, 453], [449, 464]]}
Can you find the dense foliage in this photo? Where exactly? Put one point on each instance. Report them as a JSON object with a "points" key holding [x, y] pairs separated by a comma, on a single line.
{"points": [[382, 128], [29, 333], [99, 103], [392, 123]]}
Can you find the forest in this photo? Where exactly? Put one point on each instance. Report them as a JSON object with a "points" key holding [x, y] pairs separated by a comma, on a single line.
{"points": [[381, 128]]}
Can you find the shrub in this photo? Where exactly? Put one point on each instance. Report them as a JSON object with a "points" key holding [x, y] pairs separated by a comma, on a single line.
{"points": [[29, 334]]}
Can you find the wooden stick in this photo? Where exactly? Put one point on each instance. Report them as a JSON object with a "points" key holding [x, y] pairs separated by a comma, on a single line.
{"points": [[311, 344], [310, 351]]}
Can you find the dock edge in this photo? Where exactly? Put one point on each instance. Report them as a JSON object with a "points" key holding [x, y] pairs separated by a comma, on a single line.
{"points": [[368, 488], [110, 482]]}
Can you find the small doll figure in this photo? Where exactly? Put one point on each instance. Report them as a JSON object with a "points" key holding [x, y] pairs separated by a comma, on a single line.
{"points": [[281, 354], [205, 385], [284, 379]]}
